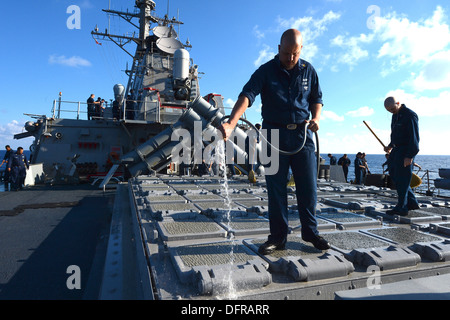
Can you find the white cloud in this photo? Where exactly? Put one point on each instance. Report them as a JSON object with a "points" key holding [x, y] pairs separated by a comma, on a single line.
{"points": [[353, 52], [258, 33], [435, 74], [330, 115], [399, 40], [228, 105], [363, 141], [7, 132], [74, 61], [309, 52], [422, 105], [264, 56], [431, 142], [311, 28], [361, 112], [407, 41], [11, 127]]}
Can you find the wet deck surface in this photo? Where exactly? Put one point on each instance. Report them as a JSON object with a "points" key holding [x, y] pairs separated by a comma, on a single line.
{"points": [[200, 247]]}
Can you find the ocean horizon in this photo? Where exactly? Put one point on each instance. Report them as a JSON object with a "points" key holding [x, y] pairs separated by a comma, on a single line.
{"points": [[432, 163]]}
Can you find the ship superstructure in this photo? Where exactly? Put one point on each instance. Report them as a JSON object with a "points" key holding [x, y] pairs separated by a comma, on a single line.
{"points": [[162, 81]]}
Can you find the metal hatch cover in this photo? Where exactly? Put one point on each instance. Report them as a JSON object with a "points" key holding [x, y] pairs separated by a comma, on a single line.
{"points": [[214, 267], [188, 225], [302, 262]]}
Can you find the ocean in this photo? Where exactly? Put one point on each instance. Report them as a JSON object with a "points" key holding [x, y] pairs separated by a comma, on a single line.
{"points": [[375, 161]]}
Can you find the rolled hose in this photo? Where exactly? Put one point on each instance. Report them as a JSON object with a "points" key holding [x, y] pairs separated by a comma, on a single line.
{"points": [[286, 153]]}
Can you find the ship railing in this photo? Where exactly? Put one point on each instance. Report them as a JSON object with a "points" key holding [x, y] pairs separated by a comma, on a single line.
{"points": [[73, 108], [151, 111]]}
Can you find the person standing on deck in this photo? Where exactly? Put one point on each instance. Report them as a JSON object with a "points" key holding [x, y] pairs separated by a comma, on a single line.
{"points": [[17, 167], [402, 150], [359, 169], [91, 106], [291, 98], [333, 160], [345, 162], [6, 158]]}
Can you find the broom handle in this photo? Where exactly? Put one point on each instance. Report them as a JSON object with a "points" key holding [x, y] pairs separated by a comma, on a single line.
{"points": [[374, 134]]}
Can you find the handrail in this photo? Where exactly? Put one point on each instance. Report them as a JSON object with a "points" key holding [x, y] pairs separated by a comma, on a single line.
{"points": [[64, 106]]}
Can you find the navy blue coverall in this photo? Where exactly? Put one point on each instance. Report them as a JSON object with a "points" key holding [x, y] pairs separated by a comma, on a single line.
{"points": [[6, 174], [359, 173], [405, 143], [286, 99], [333, 161], [18, 164]]}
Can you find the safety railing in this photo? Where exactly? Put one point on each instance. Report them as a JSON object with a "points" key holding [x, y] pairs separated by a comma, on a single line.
{"points": [[148, 110], [427, 187], [58, 108], [79, 110]]}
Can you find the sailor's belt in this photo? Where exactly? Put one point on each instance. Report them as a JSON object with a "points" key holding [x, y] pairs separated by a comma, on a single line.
{"points": [[292, 126]]}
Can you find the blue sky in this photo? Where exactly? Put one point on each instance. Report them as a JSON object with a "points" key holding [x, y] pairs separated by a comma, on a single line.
{"points": [[363, 51]]}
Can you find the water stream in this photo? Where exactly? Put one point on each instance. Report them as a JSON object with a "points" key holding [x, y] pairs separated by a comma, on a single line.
{"points": [[221, 162]]}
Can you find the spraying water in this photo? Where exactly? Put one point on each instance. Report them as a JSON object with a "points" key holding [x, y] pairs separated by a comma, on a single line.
{"points": [[221, 162]]}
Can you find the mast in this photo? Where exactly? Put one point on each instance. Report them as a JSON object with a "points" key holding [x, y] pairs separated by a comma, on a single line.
{"points": [[153, 64], [144, 14], [145, 19]]}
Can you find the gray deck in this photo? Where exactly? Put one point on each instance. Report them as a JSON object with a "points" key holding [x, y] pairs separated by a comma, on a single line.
{"points": [[43, 231], [219, 258]]}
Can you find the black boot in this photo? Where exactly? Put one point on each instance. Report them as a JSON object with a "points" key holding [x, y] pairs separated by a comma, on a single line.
{"points": [[319, 243], [270, 247]]}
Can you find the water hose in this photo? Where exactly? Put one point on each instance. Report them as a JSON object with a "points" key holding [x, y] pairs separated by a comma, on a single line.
{"points": [[287, 153]]}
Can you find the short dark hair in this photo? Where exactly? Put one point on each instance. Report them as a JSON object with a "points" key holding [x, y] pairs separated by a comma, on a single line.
{"points": [[19, 148], [7, 146]]}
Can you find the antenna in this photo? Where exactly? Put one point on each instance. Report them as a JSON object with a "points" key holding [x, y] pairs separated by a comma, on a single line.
{"points": [[109, 16]]}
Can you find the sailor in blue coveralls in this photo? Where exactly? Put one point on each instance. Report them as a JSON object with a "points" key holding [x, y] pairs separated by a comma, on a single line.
{"points": [[359, 169], [5, 161], [290, 94], [17, 167], [403, 148]]}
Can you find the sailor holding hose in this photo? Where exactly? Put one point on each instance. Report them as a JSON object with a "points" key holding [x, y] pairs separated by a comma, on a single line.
{"points": [[290, 94]]}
